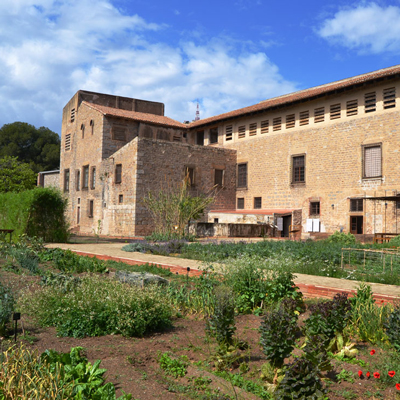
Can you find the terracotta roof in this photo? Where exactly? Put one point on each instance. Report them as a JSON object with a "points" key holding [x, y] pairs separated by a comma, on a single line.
{"points": [[254, 212], [137, 116], [301, 95]]}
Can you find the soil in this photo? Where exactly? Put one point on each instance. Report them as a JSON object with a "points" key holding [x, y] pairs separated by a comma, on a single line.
{"points": [[132, 363]]}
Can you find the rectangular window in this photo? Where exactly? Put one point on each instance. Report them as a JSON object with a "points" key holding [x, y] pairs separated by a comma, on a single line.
{"points": [[200, 138], [242, 132], [78, 179], [214, 135], [240, 203], [93, 178], [219, 177], [90, 208], [314, 208], [242, 175], [264, 126], [389, 98], [67, 142], [351, 108], [370, 102], [356, 205], [372, 161], [335, 110], [189, 176], [72, 114], [66, 180], [277, 124], [319, 114], [228, 132], [253, 129], [257, 202], [290, 121], [298, 169], [92, 126], [120, 198], [83, 130], [118, 173], [85, 177], [304, 118], [119, 133]]}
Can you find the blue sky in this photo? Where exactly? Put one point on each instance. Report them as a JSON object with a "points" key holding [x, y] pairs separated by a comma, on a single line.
{"points": [[227, 55]]}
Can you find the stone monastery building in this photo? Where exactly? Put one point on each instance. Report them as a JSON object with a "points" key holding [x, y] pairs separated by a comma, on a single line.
{"points": [[317, 160]]}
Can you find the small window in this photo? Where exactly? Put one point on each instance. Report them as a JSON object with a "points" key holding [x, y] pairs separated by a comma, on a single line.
{"points": [[264, 126], [118, 173], [67, 142], [72, 114], [242, 175], [78, 180], [242, 132], [351, 108], [398, 204], [93, 178], [335, 111], [240, 203], [120, 198], [356, 205], [200, 138], [214, 135], [216, 220], [90, 208], [79, 200], [277, 124], [219, 177], [372, 161], [319, 114], [228, 132], [83, 131], [304, 118], [189, 176], [66, 180], [290, 121], [389, 98], [298, 169], [85, 177], [257, 202], [314, 208], [92, 126], [119, 133], [253, 129], [370, 102]]}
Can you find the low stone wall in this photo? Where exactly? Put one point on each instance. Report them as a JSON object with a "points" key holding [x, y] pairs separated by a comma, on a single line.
{"points": [[206, 229]]}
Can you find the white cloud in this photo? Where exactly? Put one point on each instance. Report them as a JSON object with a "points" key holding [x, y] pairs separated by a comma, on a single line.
{"points": [[369, 28], [49, 49]]}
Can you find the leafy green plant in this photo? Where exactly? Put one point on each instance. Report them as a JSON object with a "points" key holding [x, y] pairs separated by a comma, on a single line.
{"points": [[221, 323], [99, 306], [392, 326], [329, 318], [345, 375], [281, 287], [7, 304], [278, 334], [301, 381], [176, 367], [344, 239]]}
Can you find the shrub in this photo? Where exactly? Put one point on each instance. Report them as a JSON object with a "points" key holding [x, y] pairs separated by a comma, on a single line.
{"points": [[99, 306], [281, 287], [38, 212], [345, 239], [221, 323], [173, 366], [278, 333], [7, 304]]}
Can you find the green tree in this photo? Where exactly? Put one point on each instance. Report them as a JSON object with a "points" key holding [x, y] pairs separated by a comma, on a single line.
{"points": [[15, 176], [38, 147]]}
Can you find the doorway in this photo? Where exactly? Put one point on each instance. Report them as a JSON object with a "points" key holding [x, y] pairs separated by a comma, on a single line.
{"points": [[356, 224], [287, 221]]}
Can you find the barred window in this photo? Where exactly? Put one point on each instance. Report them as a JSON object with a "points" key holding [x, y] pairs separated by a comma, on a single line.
{"points": [[264, 126], [228, 132], [370, 102], [314, 208], [352, 108], [242, 132], [290, 121], [304, 118], [66, 180], [298, 169], [389, 98], [240, 203], [319, 114], [257, 202], [93, 178], [253, 129], [372, 161], [242, 175], [277, 124], [356, 205], [85, 177], [67, 142]]}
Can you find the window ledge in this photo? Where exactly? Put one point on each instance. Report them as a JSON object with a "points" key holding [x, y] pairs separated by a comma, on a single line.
{"points": [[378, 178]]}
